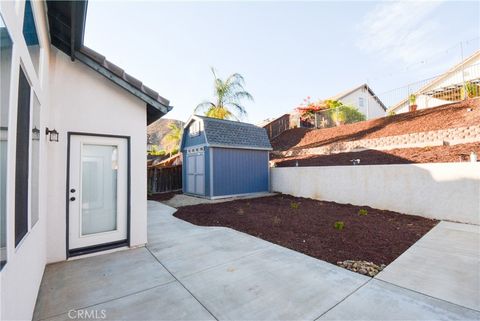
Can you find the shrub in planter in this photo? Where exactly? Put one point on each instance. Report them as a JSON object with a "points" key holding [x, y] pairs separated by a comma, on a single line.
{"points": [[413, 100], [470, 90]]}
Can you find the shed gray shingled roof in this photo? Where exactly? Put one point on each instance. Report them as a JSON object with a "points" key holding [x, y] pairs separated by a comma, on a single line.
{"points": [[235, 134]]}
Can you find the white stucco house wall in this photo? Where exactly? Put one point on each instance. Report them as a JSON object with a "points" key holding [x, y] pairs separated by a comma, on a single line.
{"points": [[446, 88], [364, 99], [85, 192]]}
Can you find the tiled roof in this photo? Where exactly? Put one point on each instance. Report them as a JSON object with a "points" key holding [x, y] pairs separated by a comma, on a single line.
{"points": [[119, 72], [235, 134], [66, 21]]}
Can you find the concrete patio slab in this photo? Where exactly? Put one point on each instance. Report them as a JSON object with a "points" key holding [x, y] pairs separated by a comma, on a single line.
{"points": [[185, 248], [379, 300], [165, 302], [455, 238], [188, 272], [444, 264], [199, 251], [273, 284], [80, 283], [163, 227]]}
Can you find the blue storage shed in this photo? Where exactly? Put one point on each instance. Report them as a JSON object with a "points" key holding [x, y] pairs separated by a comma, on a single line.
{"points": [[223, 158]]}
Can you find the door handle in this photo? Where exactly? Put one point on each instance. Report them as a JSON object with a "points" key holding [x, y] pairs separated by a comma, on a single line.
{"points": [[72, 198]]}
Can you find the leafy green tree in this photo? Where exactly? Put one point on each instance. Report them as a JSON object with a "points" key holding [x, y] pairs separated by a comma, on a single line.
{"points": [[228, 95], [343, 114], [171, 141], [155, 151]]}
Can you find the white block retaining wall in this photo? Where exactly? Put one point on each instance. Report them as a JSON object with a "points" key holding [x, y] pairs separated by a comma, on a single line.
{"points": [[450, 136], [446, 191]]}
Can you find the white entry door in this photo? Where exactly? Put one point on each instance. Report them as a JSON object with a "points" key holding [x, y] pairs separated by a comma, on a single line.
{"points": [[196, 171], [98, 192]]}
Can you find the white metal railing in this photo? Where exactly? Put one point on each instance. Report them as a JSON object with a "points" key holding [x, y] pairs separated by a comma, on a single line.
{"points": [[450, 87]]}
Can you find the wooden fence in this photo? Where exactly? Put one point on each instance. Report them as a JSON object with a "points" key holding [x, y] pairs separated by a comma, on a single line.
{"points": [[278, 126], [164, 179]]}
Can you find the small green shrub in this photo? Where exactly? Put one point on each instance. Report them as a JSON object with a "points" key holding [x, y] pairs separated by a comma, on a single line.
{"points": [[470, 90], [391, 113], [155, 151], [339, 225], [346, 114], [294, 205], [362, 212], [413, 99]]}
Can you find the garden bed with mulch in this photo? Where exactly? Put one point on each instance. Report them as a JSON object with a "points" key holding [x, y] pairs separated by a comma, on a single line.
{"points": [[436, 154], [308, 226], [462, 114]]}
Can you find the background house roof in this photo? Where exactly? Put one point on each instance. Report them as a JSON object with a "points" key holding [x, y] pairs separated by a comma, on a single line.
{"points": [[66, 21], [234, 134]]}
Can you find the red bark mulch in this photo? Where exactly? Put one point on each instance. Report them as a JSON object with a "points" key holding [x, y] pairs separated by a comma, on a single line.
{"points": [[437, 154], [307, 226], [442, 117]]}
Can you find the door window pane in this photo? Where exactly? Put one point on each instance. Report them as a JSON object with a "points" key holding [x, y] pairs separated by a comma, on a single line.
{"points": [[99, 188], [22, 158], [34, 183], [5, 68]]}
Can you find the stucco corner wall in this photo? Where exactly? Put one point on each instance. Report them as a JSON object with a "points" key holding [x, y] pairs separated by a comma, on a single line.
{"points": [[446, 191], [82, 100]]}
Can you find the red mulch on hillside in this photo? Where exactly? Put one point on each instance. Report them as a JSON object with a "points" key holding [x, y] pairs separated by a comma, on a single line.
{"points": [[437, 154], [307, 226], [446, 116]]}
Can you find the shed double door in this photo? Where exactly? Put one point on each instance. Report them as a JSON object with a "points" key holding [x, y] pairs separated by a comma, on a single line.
{"points": [[196, 172]]}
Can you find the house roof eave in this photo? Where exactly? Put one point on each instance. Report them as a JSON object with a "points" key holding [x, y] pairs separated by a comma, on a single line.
{"points": [[66, 24]]}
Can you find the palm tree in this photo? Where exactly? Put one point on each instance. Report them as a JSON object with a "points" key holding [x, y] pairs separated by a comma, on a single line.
{"points": [[228, 94], [172, 139]]}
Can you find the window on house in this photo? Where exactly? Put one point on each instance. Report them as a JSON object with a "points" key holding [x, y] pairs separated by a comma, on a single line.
{"points": [[35, 161], [6, 66], [361, 102], [195, 129], [22, 158], [30, 35]]}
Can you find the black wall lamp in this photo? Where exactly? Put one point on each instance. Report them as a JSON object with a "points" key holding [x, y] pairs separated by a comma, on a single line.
{"points": [[53, 134], [35, 133]]}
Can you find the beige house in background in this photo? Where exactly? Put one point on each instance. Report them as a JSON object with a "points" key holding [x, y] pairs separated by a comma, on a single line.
{"points": [[446, 88], [364, 99]]}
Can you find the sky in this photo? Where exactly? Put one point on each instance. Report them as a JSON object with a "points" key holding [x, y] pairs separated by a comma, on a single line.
{"points": [[286, 51]]}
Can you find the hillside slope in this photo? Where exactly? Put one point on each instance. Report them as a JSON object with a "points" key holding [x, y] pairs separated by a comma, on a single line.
{"points": [[465, 113], [158, 129]]}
